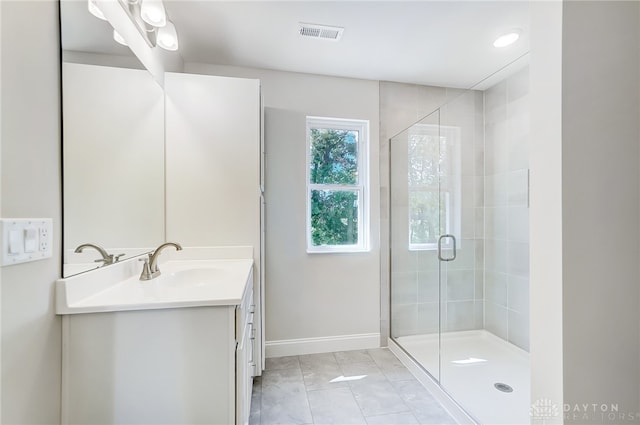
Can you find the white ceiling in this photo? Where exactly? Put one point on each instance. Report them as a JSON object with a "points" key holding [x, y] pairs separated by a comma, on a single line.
{"points": [[444, 43]]}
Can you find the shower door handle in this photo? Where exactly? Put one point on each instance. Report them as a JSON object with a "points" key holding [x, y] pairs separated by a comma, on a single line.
{"points": [[440, 239]]}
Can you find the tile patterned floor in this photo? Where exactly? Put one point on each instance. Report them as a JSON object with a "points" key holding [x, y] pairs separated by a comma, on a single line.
{"points": [[297, 390]]}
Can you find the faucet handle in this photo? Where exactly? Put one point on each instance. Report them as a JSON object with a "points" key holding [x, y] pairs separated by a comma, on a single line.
{"points": [[117, 257], [146, 271], [105, 261]]}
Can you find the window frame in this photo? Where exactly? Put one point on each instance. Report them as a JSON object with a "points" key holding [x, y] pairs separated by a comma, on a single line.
{"points": [[362, 186]]}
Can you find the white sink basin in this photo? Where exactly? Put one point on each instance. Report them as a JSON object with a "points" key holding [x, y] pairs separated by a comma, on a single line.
{"points": [[192, 277], [190, 283]]}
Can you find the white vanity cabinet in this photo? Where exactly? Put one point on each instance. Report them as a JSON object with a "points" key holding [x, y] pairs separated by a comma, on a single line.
{"points": [[191, 365]]}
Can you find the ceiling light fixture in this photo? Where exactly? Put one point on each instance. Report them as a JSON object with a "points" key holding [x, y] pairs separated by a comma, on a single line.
{"points": [[117, 37], [167, 37], [151, 19], [95, 10], [153, 13], [507, 39]]}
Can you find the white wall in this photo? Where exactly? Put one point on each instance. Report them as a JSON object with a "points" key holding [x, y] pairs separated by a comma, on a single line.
{"points": [[30, 154], [545, 213], [601, 236], [319, 295], [0, 209]]}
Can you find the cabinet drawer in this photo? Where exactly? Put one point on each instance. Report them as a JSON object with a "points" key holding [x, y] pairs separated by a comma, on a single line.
{"points": [[244, 312]]}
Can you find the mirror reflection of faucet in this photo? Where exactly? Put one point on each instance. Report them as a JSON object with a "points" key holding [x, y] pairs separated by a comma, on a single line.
{"points": [[106, 257], [150, 268]]}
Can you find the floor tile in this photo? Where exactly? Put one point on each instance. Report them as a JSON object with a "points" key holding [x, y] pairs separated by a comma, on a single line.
{"points": [[369, 370], [298, 390], [256, 401], [319, 370], [355, 356], [377, 397], [317, 361], [276, 363], [322, 379], [422, 403], [336, 406], [393, 419], [284, 398], [389, 364], [383, 355]]}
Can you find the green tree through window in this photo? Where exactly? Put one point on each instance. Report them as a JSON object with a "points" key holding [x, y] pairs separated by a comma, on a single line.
{"points": [[336, 189]]}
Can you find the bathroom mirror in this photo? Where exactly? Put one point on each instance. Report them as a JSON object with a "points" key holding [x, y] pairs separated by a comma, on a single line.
{"points": [[112, 146]]}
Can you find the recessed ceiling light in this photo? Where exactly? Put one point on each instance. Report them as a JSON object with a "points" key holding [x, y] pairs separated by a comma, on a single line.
{"points": [[507, 39]]}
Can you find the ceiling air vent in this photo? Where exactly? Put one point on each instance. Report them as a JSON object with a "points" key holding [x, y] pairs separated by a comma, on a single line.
{"points": [[324, 32]]}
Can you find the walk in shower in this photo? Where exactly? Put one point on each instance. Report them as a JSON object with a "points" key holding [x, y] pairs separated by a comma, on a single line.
{"points": [[459, 240]]}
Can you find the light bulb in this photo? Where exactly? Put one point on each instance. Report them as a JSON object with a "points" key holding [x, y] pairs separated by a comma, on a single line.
{"points": [[507, 39], [95, 10], [167, 38], [153, 13], [117, 37]]}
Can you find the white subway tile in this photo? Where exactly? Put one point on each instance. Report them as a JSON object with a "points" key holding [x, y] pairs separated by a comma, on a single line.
{"points": [[460, 285], [519, 330], [495, 288], [518, 259], [518, 224], [496, 223], [518, 294], [518, 188], [461, 316], [495, 319], [428, 286], [404, 287]]}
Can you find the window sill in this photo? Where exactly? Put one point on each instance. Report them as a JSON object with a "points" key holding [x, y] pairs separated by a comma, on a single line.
{"points": [[337, 250]]}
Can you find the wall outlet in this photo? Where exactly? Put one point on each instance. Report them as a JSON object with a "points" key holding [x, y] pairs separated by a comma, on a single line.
{"points": [[44, 239]]}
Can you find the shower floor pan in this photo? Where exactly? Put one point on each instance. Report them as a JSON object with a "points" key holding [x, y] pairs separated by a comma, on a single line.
{"points": [[473, 362]]}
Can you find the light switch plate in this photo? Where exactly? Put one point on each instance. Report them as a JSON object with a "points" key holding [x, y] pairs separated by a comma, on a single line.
{"points": [[25, 239]]}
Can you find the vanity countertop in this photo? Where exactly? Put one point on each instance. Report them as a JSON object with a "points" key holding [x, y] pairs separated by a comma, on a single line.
{"points": [[186, 283]]}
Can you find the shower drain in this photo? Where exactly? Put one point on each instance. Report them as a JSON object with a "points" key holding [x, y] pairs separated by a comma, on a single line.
{"points": [[503, 387]]}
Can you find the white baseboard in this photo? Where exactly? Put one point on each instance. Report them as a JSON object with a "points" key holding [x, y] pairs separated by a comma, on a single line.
{"points": [[327, 344]]}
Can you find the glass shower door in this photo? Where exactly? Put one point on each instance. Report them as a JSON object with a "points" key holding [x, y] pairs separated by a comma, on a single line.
{"points": [[419, 225]]}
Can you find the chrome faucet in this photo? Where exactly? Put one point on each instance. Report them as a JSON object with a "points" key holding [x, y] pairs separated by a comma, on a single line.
{"points": [[106, 257], [150, 269]]}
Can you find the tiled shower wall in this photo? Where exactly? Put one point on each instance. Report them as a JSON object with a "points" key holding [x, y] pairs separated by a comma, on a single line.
{"points": [[506, 305]]}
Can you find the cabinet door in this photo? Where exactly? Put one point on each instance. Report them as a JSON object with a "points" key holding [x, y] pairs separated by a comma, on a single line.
{"points": [[244, 379]]}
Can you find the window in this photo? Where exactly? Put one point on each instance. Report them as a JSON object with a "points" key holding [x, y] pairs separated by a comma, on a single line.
{"points": [[434, 184], [337, 185]]}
